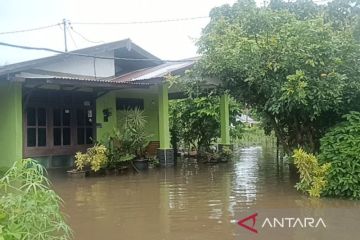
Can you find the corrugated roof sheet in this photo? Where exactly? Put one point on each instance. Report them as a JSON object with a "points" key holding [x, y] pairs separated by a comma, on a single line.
{"points": [[87, 82], [157, 72]]}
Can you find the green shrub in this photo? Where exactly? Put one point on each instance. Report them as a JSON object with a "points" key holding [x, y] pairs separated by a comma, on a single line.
{"points": [[226, 153], [95, 157], [312, 174], [29, 209], [341, 147]]}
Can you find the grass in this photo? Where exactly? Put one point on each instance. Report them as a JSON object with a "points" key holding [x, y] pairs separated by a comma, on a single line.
{"points": [[255, 136]]}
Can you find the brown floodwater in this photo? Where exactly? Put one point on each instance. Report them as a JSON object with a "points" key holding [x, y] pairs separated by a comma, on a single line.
{"points": [[202, 201]]}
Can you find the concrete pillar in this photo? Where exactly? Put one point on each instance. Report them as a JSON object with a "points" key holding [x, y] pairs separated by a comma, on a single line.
{"points": [[165, 153], [224, 118], [11, 118]]}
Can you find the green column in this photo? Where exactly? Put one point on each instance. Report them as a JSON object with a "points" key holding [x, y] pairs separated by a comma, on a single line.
{"points": [[164, 134], [225, 124], [11, 119]]}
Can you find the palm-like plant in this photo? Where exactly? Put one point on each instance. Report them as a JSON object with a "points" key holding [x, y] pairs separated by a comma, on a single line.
{"points": [[134, 135], [131, 139]]}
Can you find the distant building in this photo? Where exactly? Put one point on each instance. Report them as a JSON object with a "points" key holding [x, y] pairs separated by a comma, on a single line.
{"points": [[247, 120]]}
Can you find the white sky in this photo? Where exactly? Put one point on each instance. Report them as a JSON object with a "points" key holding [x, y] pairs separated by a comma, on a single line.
{"points": [[174, 40]]}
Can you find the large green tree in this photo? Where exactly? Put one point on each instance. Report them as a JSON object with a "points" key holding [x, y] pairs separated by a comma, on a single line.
{"points": [[296, 67]]}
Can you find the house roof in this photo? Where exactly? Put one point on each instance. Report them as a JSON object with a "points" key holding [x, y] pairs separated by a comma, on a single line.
{"points": [[142, 75], [84, 82], [95, 50], [156, 73], [137, 79]]}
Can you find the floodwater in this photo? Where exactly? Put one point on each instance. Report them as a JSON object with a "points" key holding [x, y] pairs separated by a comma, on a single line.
{"points": [[202, 201]]}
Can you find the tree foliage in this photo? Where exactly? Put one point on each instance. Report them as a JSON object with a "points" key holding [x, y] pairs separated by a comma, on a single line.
{"points": [[195, 121], [340, 147], [297, 64]]}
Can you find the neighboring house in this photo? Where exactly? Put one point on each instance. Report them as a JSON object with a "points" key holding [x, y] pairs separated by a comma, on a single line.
{"points": [[55, 106]]}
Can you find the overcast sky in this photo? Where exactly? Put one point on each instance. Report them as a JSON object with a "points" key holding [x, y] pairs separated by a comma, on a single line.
{"points": [[173, 40]]}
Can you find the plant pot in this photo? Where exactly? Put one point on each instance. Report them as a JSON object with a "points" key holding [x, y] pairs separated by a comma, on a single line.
{"points": [[141, 164], [76, 173]]}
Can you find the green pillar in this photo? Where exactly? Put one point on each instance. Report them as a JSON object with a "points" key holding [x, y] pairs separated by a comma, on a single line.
{"points": [[11, 143], [164, 135], [225, 124]]}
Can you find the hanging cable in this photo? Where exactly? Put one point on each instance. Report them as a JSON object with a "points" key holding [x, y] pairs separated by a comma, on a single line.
{"points": [[142, 22], [106, 23], [30, 29], [82, 36], [72, 38], [87, 55]]}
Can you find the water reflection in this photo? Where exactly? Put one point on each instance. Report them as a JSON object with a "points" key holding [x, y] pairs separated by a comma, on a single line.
{"points": [[191, 201]]}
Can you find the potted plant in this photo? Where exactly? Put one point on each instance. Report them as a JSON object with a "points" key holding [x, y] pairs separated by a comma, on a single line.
{"points": [[93, 160], [118, 154], [135, 138]]}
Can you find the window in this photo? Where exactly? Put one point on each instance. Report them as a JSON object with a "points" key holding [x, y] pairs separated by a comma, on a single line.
{"points": [[36, 122], [62, 127], [85, 124], [58, 123], [129, 103]]}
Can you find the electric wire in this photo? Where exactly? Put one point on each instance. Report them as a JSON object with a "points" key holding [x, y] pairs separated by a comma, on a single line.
{"points": [[72, 38], [142, 22], [71, 28], [30, 29], [106, 23], [74, 53]]}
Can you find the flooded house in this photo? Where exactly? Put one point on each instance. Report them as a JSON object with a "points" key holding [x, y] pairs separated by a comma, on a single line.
{"points": [[55, 106]]}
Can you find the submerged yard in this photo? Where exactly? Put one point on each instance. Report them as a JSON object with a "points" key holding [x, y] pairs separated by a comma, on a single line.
{"points": [[199, 201]]}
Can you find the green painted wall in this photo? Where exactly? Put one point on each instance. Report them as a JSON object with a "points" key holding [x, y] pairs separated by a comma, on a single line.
{"points": [[108, 101], [11, 140], [224, 114], [150, 109]]}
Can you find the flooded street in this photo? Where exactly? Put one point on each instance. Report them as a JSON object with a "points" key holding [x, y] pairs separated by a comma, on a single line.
{"points": [[201, 201]]}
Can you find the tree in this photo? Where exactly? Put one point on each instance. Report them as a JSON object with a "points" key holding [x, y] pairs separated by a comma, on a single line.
{"points": [[300, 73], [196, 121]]}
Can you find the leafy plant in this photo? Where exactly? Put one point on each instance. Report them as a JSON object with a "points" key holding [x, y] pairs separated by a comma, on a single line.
{"points": [[132, 135], [195, 121], [29, 209], [226, 153], [118, 150], [295, 63], [95, 157], [340, 147], [3, 170], [312, 174], [154, 162]]}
